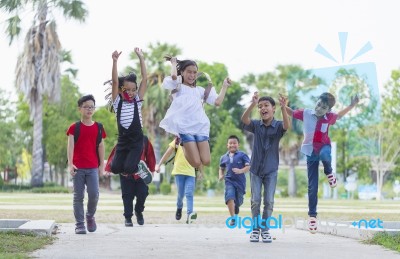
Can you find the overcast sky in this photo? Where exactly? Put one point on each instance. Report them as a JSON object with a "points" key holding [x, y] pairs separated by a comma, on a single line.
{"points": [[251, 36]]}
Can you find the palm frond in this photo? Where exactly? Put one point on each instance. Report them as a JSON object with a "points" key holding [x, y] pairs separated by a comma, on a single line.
{"points": [[73, 9], [38, 67], [13, 27], [10, 5]]}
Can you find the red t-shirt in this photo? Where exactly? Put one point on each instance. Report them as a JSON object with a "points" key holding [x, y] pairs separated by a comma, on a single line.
{"points": [[85, 154]]}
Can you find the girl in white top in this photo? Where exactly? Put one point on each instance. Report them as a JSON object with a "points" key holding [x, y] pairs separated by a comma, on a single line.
{"points": [[186, 117]]}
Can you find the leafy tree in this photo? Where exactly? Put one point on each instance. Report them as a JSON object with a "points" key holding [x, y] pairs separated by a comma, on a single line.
{"points": [[11, 135], [37, 71]]}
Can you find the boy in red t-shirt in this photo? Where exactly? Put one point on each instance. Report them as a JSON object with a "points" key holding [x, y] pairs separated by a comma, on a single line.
{"points": [[85, 163]]}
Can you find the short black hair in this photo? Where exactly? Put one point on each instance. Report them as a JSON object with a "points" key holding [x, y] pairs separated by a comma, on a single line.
{"points": [[267, 98], [86, 98], [234, 137], [328, 99]]}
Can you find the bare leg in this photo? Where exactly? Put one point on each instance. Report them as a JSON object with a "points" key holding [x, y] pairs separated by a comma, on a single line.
{"points": [[192, 154], [231, 207], [204, 152]]}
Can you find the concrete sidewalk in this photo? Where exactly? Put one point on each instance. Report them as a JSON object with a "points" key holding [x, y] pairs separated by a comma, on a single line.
{"points": [[202, 241]]}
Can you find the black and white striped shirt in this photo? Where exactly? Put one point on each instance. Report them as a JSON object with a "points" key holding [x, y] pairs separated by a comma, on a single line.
{"points": [[127, 111]]}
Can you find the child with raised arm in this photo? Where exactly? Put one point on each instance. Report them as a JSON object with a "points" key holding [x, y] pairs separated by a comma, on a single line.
{"points": [[185, 179], [127, 100], [317, 145], [186, 117], [232, 167], [264, 159], [86, 163]]}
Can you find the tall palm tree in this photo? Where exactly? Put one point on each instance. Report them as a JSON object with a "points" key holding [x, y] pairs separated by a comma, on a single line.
{"points": [[37, 69]]}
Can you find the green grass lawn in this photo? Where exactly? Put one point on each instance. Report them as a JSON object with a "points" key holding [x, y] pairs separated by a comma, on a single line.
{"points": [[160, 209]]}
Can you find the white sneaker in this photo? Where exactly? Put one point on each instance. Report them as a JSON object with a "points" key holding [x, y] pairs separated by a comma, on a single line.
{"points": [[266, 237], [255, 235], [191, 218]]}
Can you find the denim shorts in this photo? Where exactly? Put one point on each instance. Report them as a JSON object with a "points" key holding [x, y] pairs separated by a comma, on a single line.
{"points": [[192, 138], [233, 193]]}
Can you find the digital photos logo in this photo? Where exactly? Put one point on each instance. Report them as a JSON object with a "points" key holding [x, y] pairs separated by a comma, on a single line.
{"points": [[330, 225], [344, 80]]}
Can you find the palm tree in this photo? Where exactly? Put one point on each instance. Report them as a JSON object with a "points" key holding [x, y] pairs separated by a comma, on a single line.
{"points": [[37, 69]]}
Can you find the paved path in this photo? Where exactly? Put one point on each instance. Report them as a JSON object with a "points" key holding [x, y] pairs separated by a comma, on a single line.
{"points": [[202, 241]]}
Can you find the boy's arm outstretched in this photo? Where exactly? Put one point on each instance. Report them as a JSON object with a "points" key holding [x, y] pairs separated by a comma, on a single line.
{"points": [[286, 122], [143, 71], [221, 96], [354, 101], [114, 89], [246, 115]]}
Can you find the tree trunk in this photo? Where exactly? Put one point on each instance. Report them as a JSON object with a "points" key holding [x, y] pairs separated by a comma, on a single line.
{"points": [[37, 151], [36, 95]]}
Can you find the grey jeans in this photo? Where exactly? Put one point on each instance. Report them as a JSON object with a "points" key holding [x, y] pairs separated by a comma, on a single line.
{"points": [[90, 178], [257, 183]]}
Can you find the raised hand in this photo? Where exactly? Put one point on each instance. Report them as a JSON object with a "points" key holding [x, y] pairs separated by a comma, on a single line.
{"points": [[139, 52], [174, 61], [227, 82], [255, 98], [282, 100], [354, 100], [115, 55]]}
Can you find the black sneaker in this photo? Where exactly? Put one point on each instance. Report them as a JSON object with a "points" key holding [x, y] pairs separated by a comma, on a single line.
{"points": [[91, 224], [178, 214], [139, 218], [128, 222]]}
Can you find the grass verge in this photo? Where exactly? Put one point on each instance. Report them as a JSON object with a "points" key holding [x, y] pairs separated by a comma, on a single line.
{"points": [[18, 245], [390, 241]]}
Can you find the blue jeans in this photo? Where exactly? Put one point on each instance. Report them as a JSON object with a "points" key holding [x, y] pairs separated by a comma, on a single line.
{"points": [[192, 138], [312, 170], [185, 185], [269, 183], [90, 178]]}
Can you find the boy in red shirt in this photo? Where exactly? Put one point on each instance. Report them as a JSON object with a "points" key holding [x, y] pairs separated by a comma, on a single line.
{"points": [[85, 163]]}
